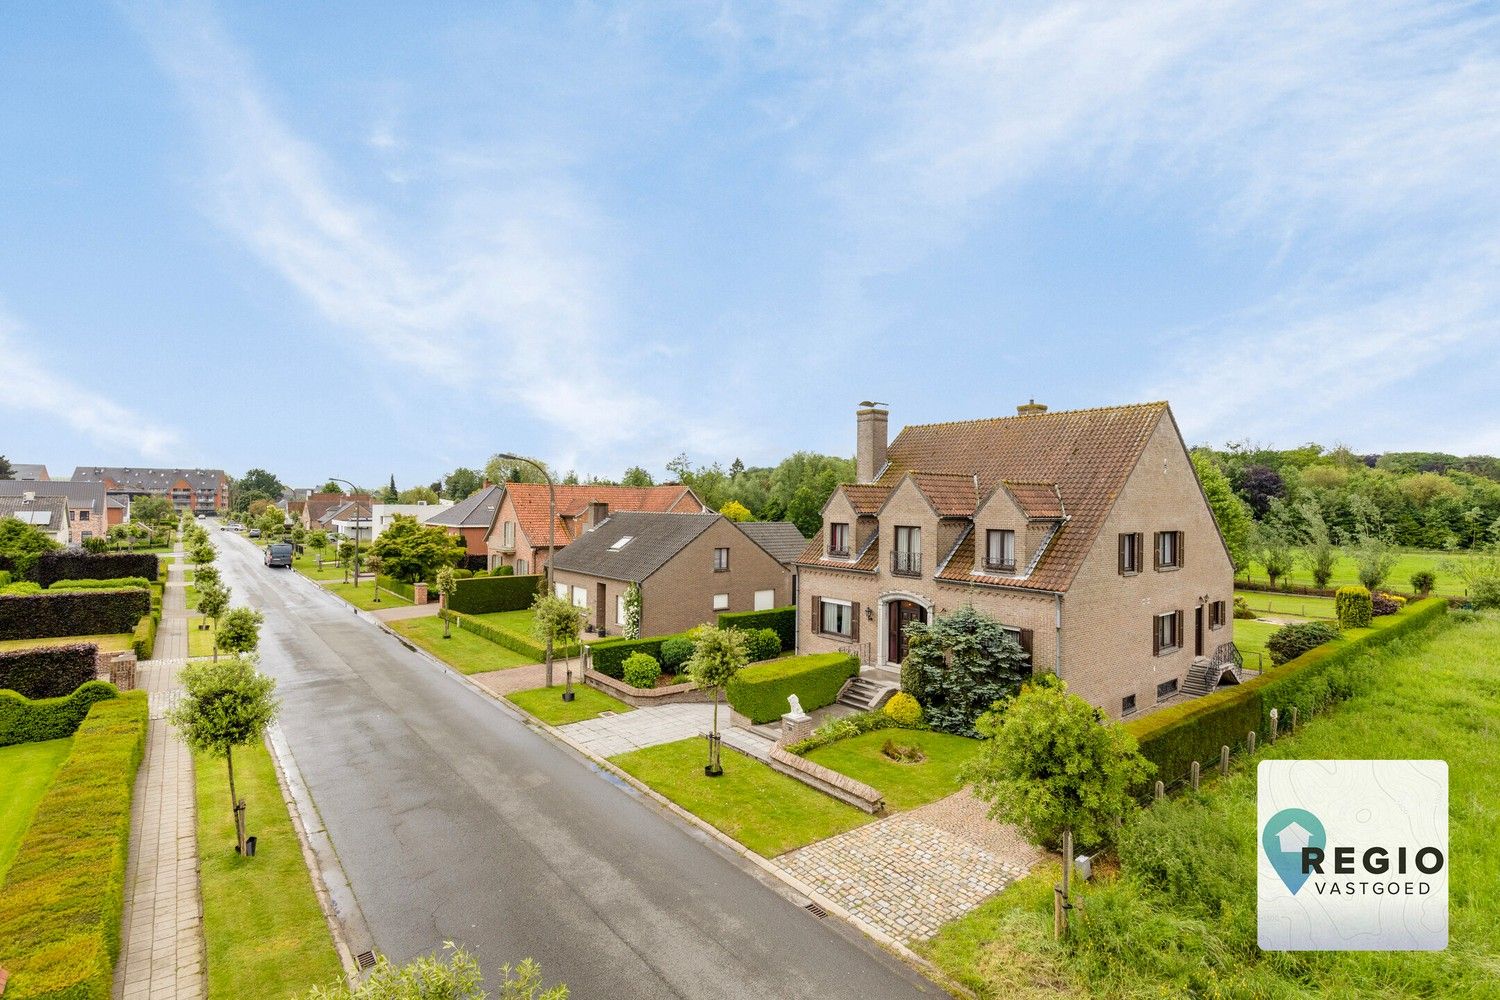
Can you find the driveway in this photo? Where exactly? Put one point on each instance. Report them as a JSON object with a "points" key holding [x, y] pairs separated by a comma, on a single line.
{"points": [[455, 820], [609, 735]]}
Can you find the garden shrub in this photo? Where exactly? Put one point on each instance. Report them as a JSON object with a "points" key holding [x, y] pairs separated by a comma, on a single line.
{"points": [[1242, 608], [21, 588], [842, 729], [72, 612], [762, 644], [503, 571], [958, 665], [1385, 604], [1485, 593], [1352, 607], [783, 620], [1422, 581], [64, 895], [641, 670], [32, 720], [113, 584], [761, 691], [526, 645], [483, 595], [608, 655], [1291, 641], [475, 574], [675, 652], [48, 671], [56, 566], [904, 709], [462, 573]]}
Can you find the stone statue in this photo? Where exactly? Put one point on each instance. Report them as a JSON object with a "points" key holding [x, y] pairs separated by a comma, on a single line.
{"points": [[796, 705]]}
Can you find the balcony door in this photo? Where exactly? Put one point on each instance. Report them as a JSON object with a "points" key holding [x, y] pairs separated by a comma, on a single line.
{"points": [[899, 614]]}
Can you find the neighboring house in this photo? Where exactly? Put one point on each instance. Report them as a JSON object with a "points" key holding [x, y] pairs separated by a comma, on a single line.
{"points": [[317, 506], [381, 514], [34, 473], [470, 518], [1084, 532], [201, 491], [689, 567], [48, 514], [350, 519], [518, 537], [88, 506], [293, 502], [783, 540]]}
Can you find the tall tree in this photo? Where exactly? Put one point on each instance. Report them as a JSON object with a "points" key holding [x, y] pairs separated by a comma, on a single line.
{"points": [[637, 476], [258, 482], [1230, 512], [461, 483], [390, 494], [418, 494], [411, 551], [7, 471], [500, 470], [331, 487]]}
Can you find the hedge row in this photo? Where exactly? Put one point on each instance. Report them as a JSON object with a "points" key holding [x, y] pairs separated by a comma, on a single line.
{"points": [[48, 671], [64, 895], [1175, 737], [27, 720], [608, 655], [72, 612], [395, 586], [514, 641], [115, 584], [783, 620], [56, 566], [484, 594], [144, 640], [761, 691]]}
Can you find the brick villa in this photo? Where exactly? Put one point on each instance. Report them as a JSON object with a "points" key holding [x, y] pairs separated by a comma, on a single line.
{"points": [[518, 537], [1085, 532]]}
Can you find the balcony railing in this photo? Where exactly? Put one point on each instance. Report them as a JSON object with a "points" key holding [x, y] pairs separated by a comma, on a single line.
{"points": [[906, 563], [1000, 565]]}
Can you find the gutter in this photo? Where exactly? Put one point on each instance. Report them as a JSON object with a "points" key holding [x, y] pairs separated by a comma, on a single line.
{"points": [[1057, 645]]}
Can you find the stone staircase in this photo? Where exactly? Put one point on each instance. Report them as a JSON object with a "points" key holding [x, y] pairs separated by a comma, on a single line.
{"points": [[865, 694], [1204, 677]]}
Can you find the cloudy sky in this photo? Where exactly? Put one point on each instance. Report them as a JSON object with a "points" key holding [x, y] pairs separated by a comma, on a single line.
{"points": [[358, 239]]}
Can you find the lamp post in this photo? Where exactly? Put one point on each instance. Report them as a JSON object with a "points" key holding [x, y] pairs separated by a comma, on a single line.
{"points": [[551, 535], [352, 491]]}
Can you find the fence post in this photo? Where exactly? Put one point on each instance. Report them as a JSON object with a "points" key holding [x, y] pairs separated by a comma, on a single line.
{"points": [[1293, 728], [1224, 760], [1161, 791], [1250, 742], [1196, 772], [1275, 721]]}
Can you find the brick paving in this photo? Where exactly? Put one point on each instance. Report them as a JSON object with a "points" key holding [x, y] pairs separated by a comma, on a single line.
{"points": [[913, 872], [610, 735], [533, 675]]}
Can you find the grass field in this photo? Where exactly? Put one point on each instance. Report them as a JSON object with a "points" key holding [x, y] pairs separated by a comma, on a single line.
{"points": [[264, 931], [200, 641], [1346, 572], [1191, 932], [363, 596], [107, 643], [1250, 636], [768, 812], [28, 770], [464, 651], [1287, 605], [547, 704], [307, 565], [905, 786]]}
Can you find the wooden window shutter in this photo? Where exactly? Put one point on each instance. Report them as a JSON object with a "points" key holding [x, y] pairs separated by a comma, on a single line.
{"points": [[1181, 548], [1155, 636], [817, 615], [1026, 642], [1140, 546], [854, 622], [1181, 639], [1156, 550], [1120, 555]]}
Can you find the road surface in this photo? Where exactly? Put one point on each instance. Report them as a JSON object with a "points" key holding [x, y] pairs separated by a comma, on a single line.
{"points": [[455, 821]]}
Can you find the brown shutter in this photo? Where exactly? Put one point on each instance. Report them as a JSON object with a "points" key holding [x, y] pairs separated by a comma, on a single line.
{"points": [[854, 621], [1155, 637], [1120, 555], [1181, 637], [817, 615], [1026, 640], [1140, 543], [1156, 550], [1181, 549]]}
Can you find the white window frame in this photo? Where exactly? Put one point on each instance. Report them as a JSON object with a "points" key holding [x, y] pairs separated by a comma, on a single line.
{"points": [[848, 616], [621, 542], [562, 591], [836, 529], [619, 609], [765, 600], [721, 602], [1007, 553], [580, 597]]}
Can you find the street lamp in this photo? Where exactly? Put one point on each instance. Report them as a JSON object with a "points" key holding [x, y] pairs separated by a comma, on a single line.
{"points": [[353, 490], [551, 536]]}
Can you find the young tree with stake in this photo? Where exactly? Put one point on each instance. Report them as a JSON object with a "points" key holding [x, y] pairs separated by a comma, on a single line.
{"points": [[718, 654], [239, 632], [555, 619], [213, 601], [447, 583]]}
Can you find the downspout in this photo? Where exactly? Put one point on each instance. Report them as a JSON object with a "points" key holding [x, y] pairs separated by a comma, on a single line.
{"points": [[1057, 645]]}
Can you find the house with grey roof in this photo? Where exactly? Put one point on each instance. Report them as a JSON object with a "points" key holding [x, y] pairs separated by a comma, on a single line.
{"points": [[89, 509], [35, 473], [690, 568], [201, 491], [470, 518], [48, 514]]}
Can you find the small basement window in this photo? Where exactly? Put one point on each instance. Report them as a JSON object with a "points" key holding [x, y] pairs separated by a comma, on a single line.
{"points": [[1166, 689], [1127, 704]]}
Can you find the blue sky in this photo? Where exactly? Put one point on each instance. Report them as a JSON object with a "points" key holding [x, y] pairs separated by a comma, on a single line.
{"points": [[360, 239]]}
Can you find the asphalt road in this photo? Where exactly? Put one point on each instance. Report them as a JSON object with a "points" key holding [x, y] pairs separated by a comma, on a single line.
{"points": [[455, 821]]}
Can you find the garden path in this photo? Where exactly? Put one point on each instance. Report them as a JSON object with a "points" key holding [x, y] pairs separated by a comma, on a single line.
{"points": [[609, 735]]}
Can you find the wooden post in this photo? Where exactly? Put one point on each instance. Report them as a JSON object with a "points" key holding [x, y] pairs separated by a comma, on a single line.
{"points": [[1224, 760], [1293, 727], [1275, 723], [1064, 904], [1196, 772], [1161, 791], [1250, 742]]}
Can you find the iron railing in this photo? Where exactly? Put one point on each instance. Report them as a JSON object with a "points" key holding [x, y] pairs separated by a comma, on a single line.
{"points": [[906, 563]]}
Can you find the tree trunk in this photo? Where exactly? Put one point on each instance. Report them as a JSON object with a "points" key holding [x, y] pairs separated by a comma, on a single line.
{"points": [[716, 711], [447, 624], [549, 661]]}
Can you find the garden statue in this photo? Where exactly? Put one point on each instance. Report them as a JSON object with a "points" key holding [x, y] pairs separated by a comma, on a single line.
{"points": [[796, 706]]}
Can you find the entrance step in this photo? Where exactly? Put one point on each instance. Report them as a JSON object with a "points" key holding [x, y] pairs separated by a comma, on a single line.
{"points": [[865, 694]]}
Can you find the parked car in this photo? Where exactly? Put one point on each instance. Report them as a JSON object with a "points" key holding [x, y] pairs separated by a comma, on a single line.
{"points": [[254, 532], [279, 554]]}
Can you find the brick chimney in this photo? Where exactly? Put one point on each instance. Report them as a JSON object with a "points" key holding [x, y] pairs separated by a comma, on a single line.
{"points": [[871, 422], [598, 511], [1030, 407]]}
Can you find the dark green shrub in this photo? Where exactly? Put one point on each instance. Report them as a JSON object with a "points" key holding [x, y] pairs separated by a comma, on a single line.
{"points": [[1485, 593], [72, 612], [608, 655], [641, 670], [762, 644], [115, 584], [1422, 581], [675, 652], [1291, 641], [761, 691], [64, 895], [1352, 607], [56, 566], [783, 620], [503, 571], [27, 720], [464, 574], [48, 671], [483, 595]]}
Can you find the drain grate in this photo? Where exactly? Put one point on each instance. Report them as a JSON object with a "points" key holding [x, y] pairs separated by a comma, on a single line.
{"points": [[365, 960], [815, 910]]}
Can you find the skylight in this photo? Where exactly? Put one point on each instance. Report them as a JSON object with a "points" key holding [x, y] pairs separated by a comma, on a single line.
{"points": [[623, 541]]}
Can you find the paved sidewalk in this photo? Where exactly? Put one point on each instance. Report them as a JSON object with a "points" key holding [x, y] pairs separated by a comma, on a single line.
{"points": [[171, 634], [648, 727]]}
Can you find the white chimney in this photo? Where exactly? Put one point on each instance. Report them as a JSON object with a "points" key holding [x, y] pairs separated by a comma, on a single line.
{"points": [[871, 426]]}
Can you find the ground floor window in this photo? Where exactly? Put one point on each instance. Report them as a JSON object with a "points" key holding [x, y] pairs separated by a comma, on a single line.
{"points": [[1216, 614], [562, 591], [1167, 637], [836, 617], [580, 597], [765, 600], [721, 602]]}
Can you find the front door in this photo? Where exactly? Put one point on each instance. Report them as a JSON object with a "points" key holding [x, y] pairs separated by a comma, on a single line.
{"points": [[899, 614], [1198, 631], [600, 595]]}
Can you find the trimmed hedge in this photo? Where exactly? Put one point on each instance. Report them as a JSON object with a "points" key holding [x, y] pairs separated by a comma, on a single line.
{"points": [[395, 586], [64, 896], [483, 594], [761, 691], [56, 566], [115, 584], [27, 720], [1175, 737], [72, 612], [48, 671], [608, 656], [144, 641], [783, 620], [1352, 607], [1291, 641], [514, 641]]}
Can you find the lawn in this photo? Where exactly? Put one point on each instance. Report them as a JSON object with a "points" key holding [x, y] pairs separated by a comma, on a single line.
{"points": [[1346, 571], [905, 786], [1250, 636], [547, 704], [1192, 931], [1287, 605], [264, 931], [464, 651], [28, 770], [307, 565], [200, 641], [768, 812], [363, 596], [108, 643]]}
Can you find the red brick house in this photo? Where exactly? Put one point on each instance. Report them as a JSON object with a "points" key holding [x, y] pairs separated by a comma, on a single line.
{"points": [[518, 537]]}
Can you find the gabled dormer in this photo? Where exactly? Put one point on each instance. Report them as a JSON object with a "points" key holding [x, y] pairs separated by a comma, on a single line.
{"points": [[1014, 525]]}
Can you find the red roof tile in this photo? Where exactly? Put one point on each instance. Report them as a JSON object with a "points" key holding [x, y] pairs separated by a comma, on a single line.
{"points": [[531, 502], [1040, 500]]}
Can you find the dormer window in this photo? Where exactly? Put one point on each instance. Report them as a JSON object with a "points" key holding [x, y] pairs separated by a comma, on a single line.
{"points": [[838, 539], [1000, 550], [906, 558]]}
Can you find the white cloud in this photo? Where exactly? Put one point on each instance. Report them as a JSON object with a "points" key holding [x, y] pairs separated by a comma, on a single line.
{"points": [[35, 392]]}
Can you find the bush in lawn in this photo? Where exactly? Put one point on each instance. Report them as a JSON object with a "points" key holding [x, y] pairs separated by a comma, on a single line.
{"points": [[1242, 609], [1374, 560], [483, 595], [115, 584], [783, 620], [48, 671], [904, 709], [72, 612], [762, 644], [88, 566], [28, 720], [65, 892], [1352, 607], [1485, 593], [958, 665], [641, 670], [761, 691], [1291, 641], [1385, 604], [1422, 581], [675, 652]]}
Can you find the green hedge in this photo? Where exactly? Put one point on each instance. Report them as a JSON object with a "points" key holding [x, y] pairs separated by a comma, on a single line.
{"points": [[524, 644], [761, 691], [144, 640], [783, 620], [28, 720], [1353, 607], [72, 612], [395, 586], [56, 566], [608, 655], [1195, 730], [484, 594], [48, 671], [61, 909], [113, 584]]}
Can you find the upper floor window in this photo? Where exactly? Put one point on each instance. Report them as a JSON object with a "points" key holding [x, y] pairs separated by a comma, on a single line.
{"points": [[1168, 549], [509, 533], [906, 558], [1130, 553], [83, 515], [1000, 549], [721, 560], [838, 538]]}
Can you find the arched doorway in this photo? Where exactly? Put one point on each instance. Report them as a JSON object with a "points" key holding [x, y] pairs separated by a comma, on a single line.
{"points": [[898, 614]]}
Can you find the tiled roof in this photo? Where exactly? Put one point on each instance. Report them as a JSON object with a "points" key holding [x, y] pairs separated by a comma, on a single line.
{"points": [[80, 495], [815, 554], [1039, 500], [530, 501], [866, 498], [655, 537], [950, 495], [474, 511], [350, 511], [319, 504], [781, 539], [158, 480]]}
